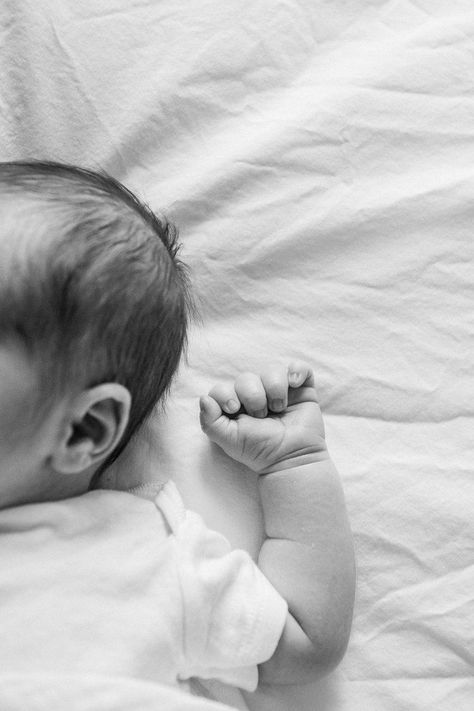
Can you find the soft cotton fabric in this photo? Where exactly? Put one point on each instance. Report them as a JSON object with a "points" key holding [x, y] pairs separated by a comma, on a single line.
{"points": [[94, 692], [104, 584], [318, 158]]}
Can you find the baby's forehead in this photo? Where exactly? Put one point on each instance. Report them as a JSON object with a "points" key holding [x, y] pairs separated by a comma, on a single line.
{"points": [[26, 225], [27, 232]]}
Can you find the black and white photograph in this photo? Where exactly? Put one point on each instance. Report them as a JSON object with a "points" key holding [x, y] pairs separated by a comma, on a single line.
{"points": [[236, 355]]}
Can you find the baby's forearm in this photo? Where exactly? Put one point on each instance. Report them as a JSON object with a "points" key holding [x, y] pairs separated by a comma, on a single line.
{"points": [[308, 556]]}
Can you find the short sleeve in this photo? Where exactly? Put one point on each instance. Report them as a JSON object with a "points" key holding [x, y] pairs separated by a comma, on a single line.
{"points": [[233, 616]]}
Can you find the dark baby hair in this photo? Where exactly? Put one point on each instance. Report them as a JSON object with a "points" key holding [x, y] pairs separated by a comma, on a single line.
{"points": [[98, 292]]}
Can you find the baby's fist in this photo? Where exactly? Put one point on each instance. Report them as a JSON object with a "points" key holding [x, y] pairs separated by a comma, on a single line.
{"points": [[268, 422]]}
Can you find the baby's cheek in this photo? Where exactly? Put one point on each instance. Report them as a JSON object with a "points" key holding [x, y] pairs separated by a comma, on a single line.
{"points": [[20, 419], [17, 443]]}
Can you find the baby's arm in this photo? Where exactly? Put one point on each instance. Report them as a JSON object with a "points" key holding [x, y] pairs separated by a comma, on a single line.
{"points": [[308, 553]]}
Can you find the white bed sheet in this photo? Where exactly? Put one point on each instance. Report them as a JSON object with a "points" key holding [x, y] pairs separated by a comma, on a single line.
{"points": [[318, 159]]}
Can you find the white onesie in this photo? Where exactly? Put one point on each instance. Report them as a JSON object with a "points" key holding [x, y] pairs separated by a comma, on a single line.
{"points": [[113, 584]]}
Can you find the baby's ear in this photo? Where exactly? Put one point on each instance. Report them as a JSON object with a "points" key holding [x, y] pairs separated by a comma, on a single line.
{"points": [[95, 424]]}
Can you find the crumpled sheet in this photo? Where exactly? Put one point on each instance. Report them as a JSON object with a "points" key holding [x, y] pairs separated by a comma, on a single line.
{"points": [[77, 692], [318, 159]]}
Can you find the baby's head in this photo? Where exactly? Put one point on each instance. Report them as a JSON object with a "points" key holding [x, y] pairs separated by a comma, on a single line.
{"points": [[94, 308]]}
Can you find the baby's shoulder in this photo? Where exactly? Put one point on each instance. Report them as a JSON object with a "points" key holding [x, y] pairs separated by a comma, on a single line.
{"points": [[96, 513], [127, 510]]}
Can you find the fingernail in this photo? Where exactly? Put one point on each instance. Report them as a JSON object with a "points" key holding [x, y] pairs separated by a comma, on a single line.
{"points": [[260, 413], [232, 405], [277, 405], [294, 378]]}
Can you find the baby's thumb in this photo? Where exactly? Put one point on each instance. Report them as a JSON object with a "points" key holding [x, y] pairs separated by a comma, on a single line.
{"points": [[210, 415]]}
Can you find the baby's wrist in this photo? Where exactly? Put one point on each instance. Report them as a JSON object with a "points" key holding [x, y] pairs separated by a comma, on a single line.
{"points": [[296, 460]]}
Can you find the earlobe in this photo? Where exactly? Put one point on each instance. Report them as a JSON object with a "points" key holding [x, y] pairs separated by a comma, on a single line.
{"points": [[95, 425]]}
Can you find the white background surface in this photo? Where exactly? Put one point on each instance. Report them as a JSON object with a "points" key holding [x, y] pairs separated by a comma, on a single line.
{"points": [[318, 158]]}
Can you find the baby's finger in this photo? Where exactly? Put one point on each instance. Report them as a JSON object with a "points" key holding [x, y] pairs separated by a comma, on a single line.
{"points": [[275, 382], [251, 393], [225, 395], [210, 412], [300, 373]]}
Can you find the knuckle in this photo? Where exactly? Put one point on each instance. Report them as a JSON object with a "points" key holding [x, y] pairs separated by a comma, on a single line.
{"points": [[296, 365], [275, 382], [254, 396], [218, 392], [248, 383]]}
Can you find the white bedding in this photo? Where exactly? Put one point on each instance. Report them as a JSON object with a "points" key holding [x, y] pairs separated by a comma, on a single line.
{"points": [[318, 159]]}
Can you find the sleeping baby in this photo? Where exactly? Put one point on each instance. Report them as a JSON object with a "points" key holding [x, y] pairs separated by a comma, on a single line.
{"points": [[94, 309]]}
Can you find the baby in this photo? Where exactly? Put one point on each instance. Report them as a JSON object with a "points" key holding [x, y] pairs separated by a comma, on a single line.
{"points": [[94, 310]]}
